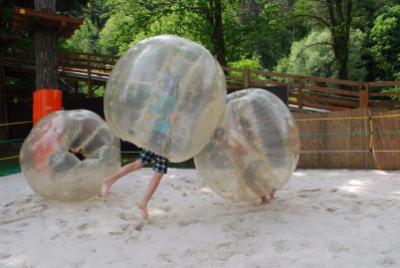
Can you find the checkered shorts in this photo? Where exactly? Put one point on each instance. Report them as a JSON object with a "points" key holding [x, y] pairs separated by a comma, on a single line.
{"points": [[161, 163]]}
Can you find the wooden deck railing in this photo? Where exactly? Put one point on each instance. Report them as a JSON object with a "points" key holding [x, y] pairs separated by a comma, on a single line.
{"points": [[317, 93]]}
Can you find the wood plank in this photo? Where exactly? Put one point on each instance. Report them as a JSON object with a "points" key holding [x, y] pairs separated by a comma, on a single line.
{"points": [[338, 102], [383, 94], [325, 107], [383, 84], [309, 78], [332, 90], [267, 81]]}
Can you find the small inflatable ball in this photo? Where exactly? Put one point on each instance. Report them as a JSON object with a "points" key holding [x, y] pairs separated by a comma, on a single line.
{"points": [[255, 148], [166, 94], [67, 155]]}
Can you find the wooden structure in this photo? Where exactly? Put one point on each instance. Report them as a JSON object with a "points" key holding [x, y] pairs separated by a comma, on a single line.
{"points": [[25, 19], [360, 138], [306, 93], [343, 124]]}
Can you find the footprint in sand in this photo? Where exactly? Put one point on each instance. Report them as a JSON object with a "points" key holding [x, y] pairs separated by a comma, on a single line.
{"points": [[336, 247], [306, 192], [388, 262], [191, 253], [85, 226], [281, 246], [124, 227], [165, 257], [19, 202], [84, 236], [61, 223], [186, 223], [4, 256], [304, 196], [350, 195], [125, 216], [310, 190]]}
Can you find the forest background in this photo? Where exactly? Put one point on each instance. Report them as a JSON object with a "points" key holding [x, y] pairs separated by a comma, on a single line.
{"points": [[346, 39]]}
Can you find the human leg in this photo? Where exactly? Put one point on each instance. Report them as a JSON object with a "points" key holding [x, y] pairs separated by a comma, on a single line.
{"points": [[128, 168], [160, 168], [155, 181], [257, 183]]}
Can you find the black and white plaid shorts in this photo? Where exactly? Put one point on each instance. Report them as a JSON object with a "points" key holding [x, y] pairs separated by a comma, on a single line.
{"points": [[161, 163]]}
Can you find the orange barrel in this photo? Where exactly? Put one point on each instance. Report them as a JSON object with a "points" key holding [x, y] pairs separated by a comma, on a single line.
{"points": [[46, 101]]}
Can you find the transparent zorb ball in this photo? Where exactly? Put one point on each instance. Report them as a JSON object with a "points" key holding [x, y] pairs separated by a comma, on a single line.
{"points": [[255, 148], [166, 94], [67, 155]]}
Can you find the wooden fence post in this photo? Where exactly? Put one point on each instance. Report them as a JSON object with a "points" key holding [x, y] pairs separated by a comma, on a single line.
{"points": [[300, 99], [89, 72], [364, 96], [3, 100], [246, 78]]}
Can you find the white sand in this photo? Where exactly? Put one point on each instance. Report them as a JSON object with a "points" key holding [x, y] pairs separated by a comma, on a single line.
{"points": [[322, 218]]}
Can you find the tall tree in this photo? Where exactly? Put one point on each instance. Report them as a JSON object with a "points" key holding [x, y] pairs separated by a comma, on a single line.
{"points": [[145, 13], [214, 17], [386, 43], [46, 49], [340, 16], [335, 15]]}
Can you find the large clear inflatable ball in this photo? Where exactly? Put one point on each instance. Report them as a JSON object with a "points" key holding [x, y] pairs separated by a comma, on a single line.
{"points": [[166, 94], [254, 150], [67, 155]]}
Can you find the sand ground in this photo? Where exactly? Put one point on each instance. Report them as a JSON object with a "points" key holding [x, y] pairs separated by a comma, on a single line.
{"points": [[321, 218]]}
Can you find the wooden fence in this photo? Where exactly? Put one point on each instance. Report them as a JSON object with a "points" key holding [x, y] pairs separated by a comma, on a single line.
{"points": [[361, 138], [306, 93]]}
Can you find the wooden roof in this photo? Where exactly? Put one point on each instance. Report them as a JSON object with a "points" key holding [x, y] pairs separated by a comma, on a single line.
{"points": [[25, 19]]}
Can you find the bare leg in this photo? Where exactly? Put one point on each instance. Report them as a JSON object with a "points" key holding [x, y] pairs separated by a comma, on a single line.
{"points": [[265, 198], [128, 168], [155, 181]]}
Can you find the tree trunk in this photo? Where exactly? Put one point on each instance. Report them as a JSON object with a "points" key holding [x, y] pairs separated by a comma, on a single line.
{"points": [[340, 16], [2, 98], [218, 32], [341, 52], [46, 49]]}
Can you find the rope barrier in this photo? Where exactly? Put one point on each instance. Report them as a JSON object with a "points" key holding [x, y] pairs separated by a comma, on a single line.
{"points": [[347, 118], [15, 123], [334, 134], [301, 152], [385, 116], [350, 133], [11, 141], [331, 118], [350, 151], [9, 157]]}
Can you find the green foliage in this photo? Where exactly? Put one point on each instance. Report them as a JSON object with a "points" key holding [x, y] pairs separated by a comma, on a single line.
{"points": [[293, 36], [386, 43], [251, 64], [84, 39], [117, 34], [268, 46], [130, 21], [313, 55]]}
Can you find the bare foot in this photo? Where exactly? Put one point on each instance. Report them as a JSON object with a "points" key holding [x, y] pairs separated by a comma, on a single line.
{"points": [[272, 195], [266, 199], [105, 188], [145, 214]]}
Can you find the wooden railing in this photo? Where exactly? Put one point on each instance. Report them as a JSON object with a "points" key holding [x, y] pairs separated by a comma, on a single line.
{"points": [[318, 92], [306, 93]]}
